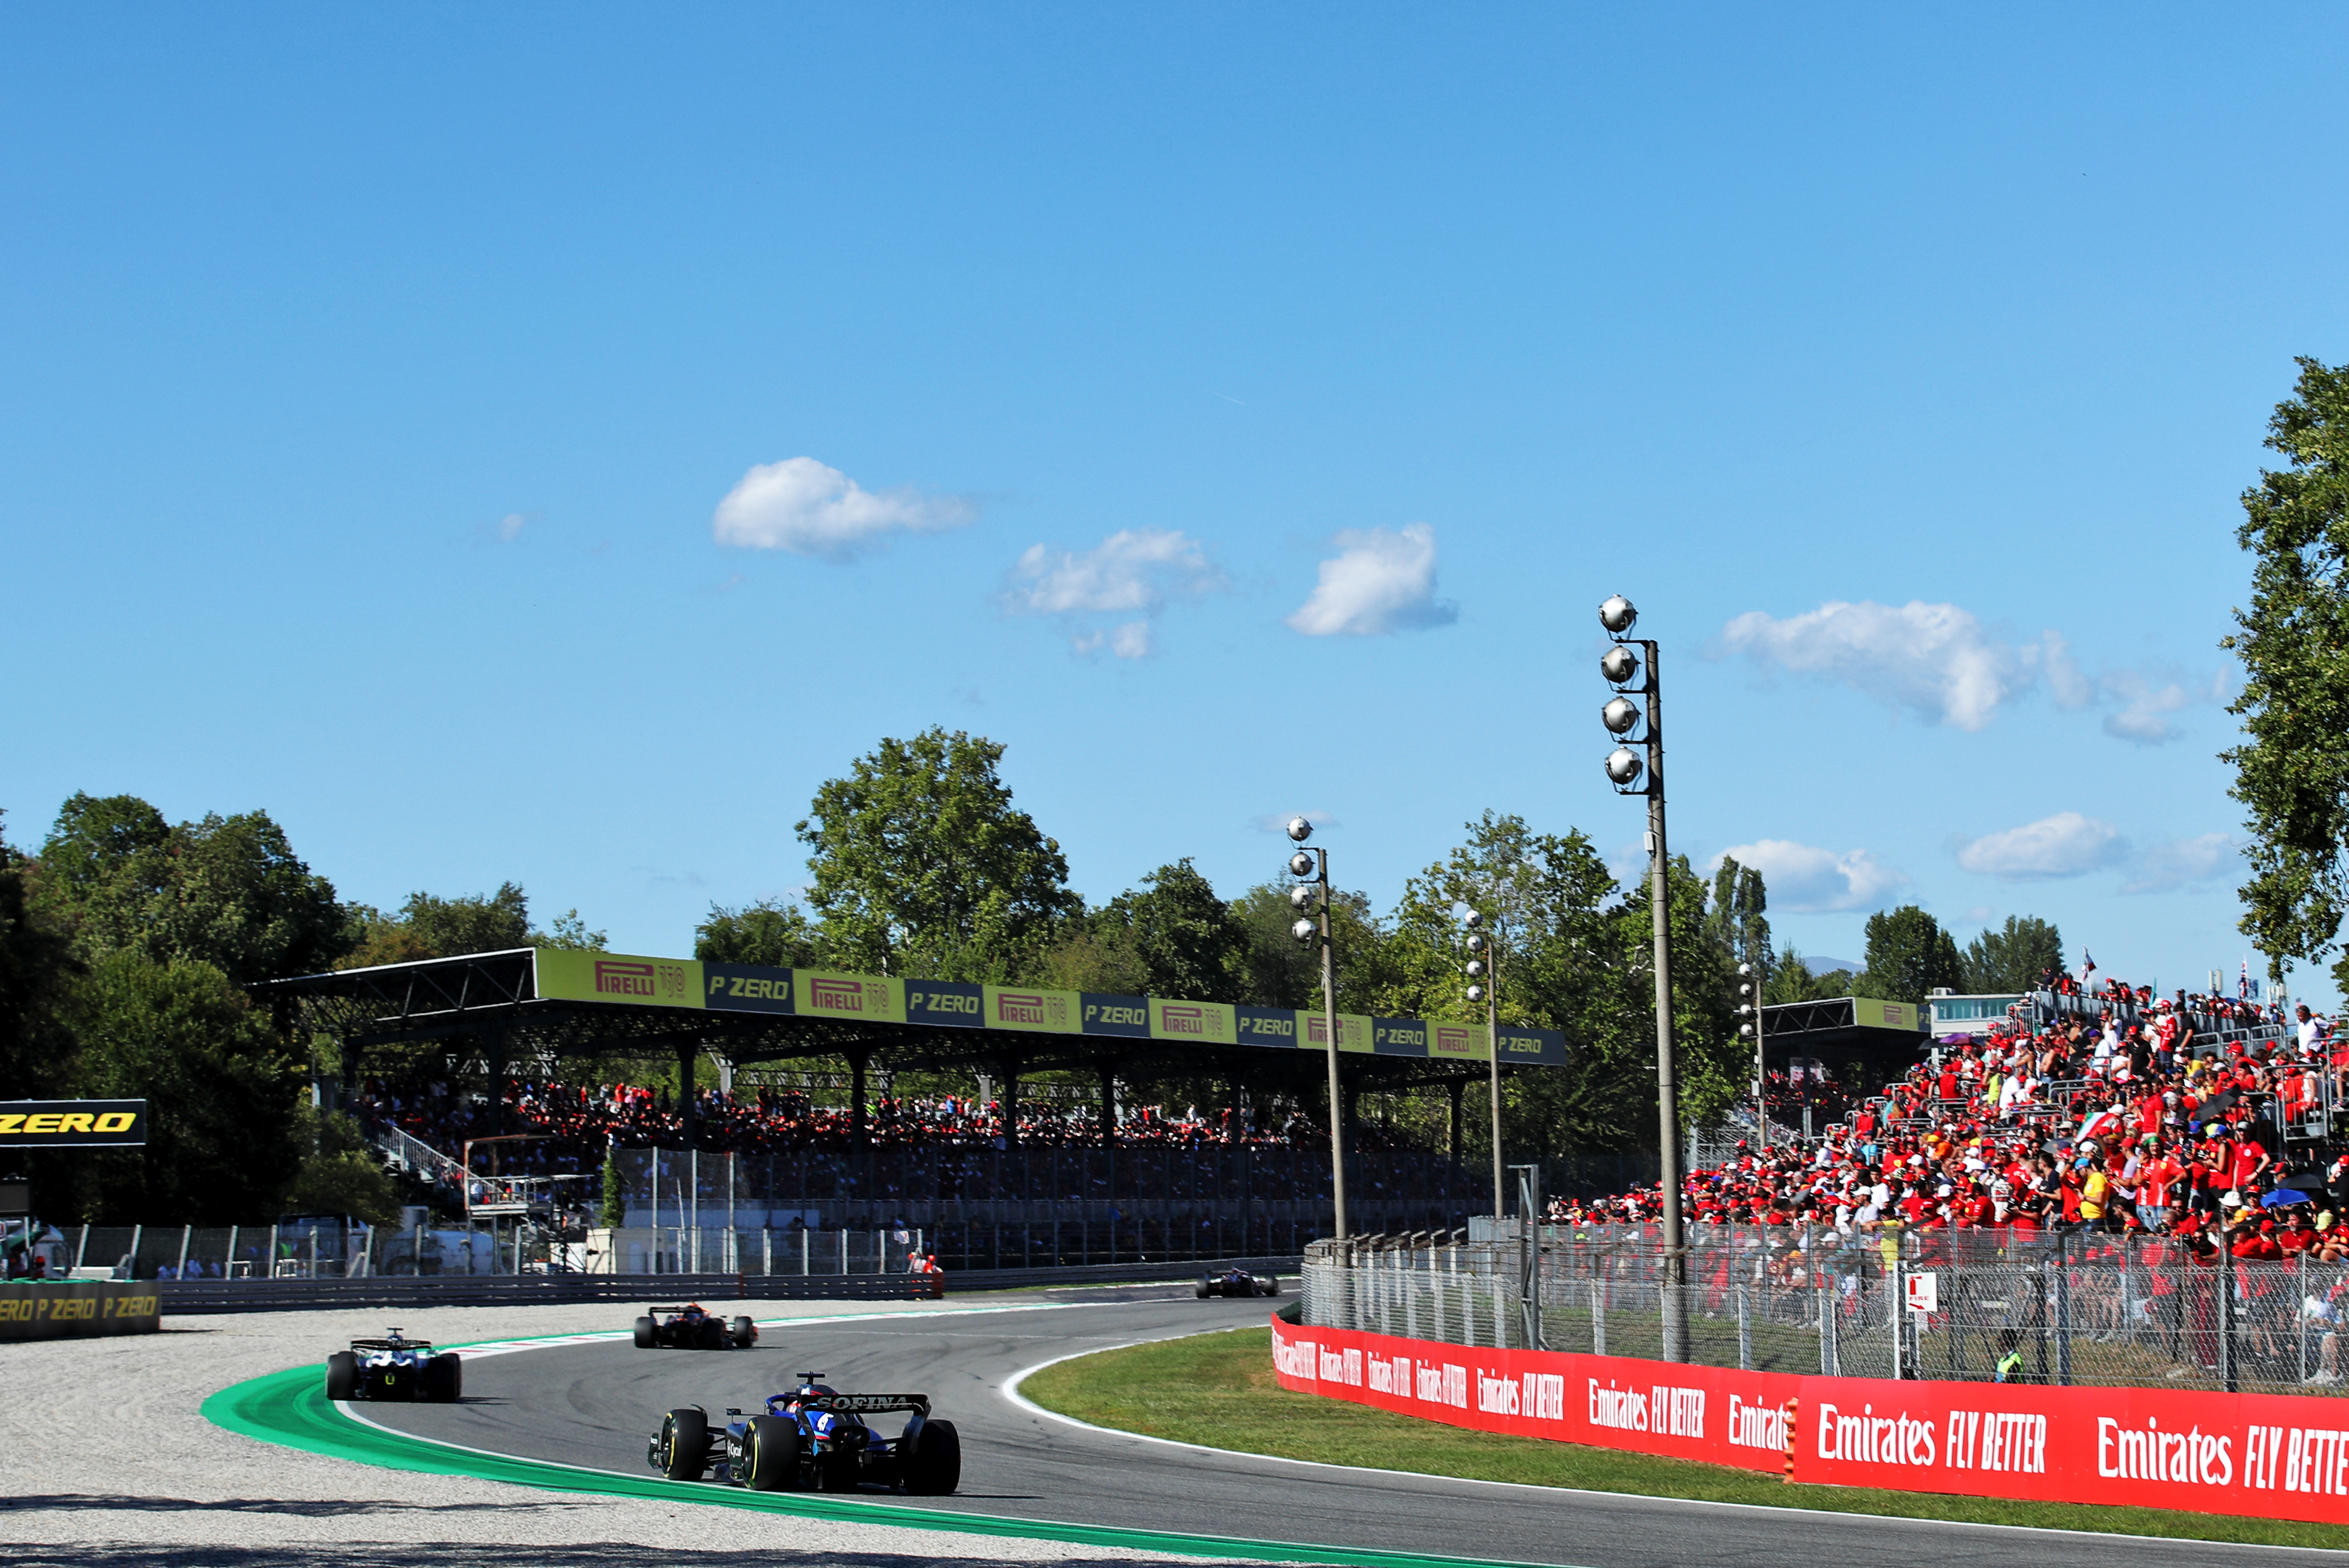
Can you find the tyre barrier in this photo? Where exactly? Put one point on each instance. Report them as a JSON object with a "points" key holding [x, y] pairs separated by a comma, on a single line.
{"points": [[41, 1310], [2266, 1456]]}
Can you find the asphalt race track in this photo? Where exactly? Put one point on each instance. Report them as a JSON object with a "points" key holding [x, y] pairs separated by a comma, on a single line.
{"points": [[595, 1405]]}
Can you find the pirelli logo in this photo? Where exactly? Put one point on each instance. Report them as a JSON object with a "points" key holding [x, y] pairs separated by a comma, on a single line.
{"points": [[68, 1124], [1019, 1007], [615, 978], [1452, 1042], [1177, 1020], [844, 996]]}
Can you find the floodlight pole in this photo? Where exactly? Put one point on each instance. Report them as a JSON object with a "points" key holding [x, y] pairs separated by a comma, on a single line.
{"points": [[1492, 1039], [1668, 1108], [1330, 1025]]}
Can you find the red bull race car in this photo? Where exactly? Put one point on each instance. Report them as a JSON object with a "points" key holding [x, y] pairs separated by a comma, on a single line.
{"points": [[813, 1438], [1237, 1282], [687, 1327], [394, 1367]]}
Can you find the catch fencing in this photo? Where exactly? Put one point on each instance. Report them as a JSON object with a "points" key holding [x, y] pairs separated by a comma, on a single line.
{"points": [[2062, 1309]]}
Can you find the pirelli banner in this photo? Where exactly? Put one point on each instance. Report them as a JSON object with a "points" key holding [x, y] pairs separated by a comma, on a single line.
{"points": [[2261, 1456], [41, 1310], [573, 976], [72, 1124]]}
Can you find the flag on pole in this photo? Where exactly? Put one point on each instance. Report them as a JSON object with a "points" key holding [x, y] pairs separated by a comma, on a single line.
{"points": [[2087, 964], [2243, 984]]}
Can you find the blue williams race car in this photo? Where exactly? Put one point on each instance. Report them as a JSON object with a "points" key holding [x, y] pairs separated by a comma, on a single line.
{"points": [[394, 1367], [1237, 1282], [813, 1438], [689, 1327]]}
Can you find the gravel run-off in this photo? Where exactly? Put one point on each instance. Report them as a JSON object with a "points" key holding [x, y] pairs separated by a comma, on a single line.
{"points": [[105, 1459]]}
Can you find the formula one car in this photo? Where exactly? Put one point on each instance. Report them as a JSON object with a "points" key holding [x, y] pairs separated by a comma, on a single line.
{"points": [[690, 1328], [1237, 1282], [813, 1438], [394, 1367]]}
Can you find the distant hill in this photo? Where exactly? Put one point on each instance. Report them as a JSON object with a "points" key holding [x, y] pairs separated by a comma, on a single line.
{"points": [[1829, 965]]}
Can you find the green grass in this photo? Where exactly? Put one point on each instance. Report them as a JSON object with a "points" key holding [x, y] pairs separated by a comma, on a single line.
{"points": [[1218, 1390]]}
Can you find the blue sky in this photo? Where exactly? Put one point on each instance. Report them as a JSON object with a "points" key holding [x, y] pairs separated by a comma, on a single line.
{"points": [[546, 442]]}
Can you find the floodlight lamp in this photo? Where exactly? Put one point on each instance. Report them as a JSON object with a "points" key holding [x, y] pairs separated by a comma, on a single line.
{"points": [[1301, 896], [1300, 864], [1473, 919], [1619, 715], [1746, 1030], [1300, 829], [1303, 930], [1746, 968], [1617, 615], [1475, 967], [1624, 766], [1619, 666], [1476, 993], [1744, 1009]]}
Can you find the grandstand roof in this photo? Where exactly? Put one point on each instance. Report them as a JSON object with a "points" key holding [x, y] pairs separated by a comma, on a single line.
{"points": [[1843, 1028], [565, 1003]]}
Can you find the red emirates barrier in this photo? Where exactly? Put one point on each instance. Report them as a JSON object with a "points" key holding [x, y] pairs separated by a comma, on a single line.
{"points": [[2265, 1456]]}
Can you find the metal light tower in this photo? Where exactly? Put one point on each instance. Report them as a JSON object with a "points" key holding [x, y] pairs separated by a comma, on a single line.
{"points": [[1621, 716], [1314, 894], [1749, 1008], [1485, 972]]}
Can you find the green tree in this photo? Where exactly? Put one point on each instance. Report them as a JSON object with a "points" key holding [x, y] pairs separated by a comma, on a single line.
{"points": [[228, 891], [1715, 1064], [1279, 970], [2291, 770], [339, 1172], [37, 973], [220, 1087], [779, 936], [1791, 979], [923, 866], [1736, 921], [2010, 958], [1188, 942], [613, 1212], [1909, 954], [482, 923]]}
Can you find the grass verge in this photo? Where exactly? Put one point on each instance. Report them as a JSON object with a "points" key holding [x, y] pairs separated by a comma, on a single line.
{"points": [[1218, 1390]]}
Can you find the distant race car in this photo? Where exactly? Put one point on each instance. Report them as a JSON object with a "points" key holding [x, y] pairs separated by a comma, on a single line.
{"points": [[690, 1328], [813, 1438], [394, 1367], [1237, 1282]]}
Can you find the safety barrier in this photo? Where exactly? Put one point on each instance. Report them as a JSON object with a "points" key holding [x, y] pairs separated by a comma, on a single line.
{"points": [[70, 1309], [2261, 1456]]}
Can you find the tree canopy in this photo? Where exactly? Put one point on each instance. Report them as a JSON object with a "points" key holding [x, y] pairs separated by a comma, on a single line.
{"points": [[2292, 769], [1909, 954], [923, 866], [2010, 958]]}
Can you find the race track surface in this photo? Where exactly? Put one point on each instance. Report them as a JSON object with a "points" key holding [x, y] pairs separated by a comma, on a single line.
{"points": [[595, 1405]]}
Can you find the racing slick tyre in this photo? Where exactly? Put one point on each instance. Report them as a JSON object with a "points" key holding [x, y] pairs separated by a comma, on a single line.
{"points": [[342, 1376], [647, 1337], [741, 1333], [1272, 1287], [1201, 1289], [935, 1467], [713, 1335], [771, 1454], [444, 1379], [684, 1443]]}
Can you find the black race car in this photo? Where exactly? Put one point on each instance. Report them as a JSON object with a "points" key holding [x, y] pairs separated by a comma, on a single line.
{"points": [[687, 1327], [813, 1438], [394, 1367], [1237, 1282]]}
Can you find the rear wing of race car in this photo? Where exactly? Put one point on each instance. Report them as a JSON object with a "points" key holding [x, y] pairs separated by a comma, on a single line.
{"points": [[653, 1309], [866, 1403], [392, 1344]]}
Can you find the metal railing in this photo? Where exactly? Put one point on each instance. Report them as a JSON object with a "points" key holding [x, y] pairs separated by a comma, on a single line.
{"points": [[2064, 1308]]}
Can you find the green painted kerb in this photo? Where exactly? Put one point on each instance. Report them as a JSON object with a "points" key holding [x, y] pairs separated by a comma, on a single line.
{"points": [[291, 1408]]}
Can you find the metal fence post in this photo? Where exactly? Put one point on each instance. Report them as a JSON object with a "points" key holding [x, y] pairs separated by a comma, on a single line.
{"points": [[2063, 1267], [1745, 1333], [2224, 1280], [1895, 1310]]}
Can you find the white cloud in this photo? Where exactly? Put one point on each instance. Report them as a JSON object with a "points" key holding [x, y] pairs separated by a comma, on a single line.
{"points": [[811, 509], [510, 525], [2064, 844], [1380, 580], [1934, 659], [1133, 572], [2181, 862], [1802, 878], [1939, 662]]}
